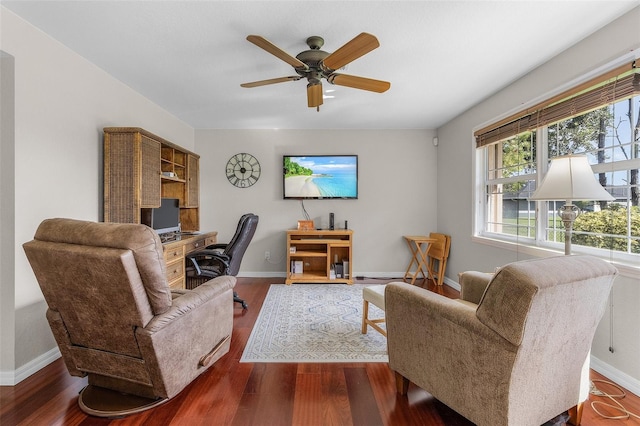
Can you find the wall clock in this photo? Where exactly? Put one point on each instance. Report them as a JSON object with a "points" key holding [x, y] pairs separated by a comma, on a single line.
{"points": [[243, 170]]}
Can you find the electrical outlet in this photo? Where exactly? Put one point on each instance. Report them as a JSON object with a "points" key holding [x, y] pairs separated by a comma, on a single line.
{"points": [[267, 255]]}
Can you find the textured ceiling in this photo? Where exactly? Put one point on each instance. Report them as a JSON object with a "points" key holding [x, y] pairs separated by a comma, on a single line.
{"points": [[441, 57]]}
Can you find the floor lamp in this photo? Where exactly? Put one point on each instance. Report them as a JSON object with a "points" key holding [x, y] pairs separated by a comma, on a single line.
{"points": [[570, 178]]}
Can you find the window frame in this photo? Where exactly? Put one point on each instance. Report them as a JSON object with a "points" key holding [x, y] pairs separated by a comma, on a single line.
{"points": [[539, 246]]}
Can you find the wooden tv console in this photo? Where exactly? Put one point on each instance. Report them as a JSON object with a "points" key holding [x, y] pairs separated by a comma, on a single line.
{"points": [[317, 251]]}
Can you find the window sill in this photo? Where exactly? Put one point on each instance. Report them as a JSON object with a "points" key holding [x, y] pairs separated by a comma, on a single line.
{"points": [[626, 269]]}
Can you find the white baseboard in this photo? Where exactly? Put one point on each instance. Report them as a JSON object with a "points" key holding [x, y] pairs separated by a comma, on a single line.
{"points": [[382, 275], [7, 378], [356, 275], [451, 283], [12, 378], [616, 376], [262, 275]]}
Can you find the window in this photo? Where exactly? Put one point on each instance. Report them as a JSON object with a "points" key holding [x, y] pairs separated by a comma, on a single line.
{"points": [[510, 175], [601, 120]]}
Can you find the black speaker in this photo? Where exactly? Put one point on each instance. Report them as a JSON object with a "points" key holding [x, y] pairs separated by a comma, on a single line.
{"points": [[331, 221]]}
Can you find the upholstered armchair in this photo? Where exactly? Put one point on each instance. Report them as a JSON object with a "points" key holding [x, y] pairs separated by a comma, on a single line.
{"points": [[115, 318], [512, 351]]}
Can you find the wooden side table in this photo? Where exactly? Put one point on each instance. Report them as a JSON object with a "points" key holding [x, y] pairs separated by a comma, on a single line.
{"points": [[418, 245]]}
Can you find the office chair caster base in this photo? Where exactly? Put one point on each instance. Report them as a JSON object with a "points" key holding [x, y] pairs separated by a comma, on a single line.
{"points": [[237, 299], [102, 402]]}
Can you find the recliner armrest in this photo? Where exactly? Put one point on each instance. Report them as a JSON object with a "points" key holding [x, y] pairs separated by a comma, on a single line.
{"points": [[473, 284], [180, 344], [191, 300]]}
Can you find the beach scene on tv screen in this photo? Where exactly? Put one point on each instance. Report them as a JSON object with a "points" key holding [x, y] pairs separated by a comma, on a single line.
{"points": [[321, 177]]}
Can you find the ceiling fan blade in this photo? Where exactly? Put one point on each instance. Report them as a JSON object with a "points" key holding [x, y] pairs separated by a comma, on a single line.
{"points": [[362, 83], [265, 44], [271, 81], [352, 50], [314, 95]]}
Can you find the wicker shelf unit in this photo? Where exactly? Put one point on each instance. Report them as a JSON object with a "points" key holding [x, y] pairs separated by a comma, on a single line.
{"points": [[140, 168]]}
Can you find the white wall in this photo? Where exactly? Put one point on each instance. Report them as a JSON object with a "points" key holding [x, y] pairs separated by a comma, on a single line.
{"points": [[456, 154], [62, 102], [397, 189], [7, 194]]}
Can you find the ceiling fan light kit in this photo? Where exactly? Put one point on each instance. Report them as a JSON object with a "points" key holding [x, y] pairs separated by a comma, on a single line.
{"points": [[314, 95], [315, 64]]}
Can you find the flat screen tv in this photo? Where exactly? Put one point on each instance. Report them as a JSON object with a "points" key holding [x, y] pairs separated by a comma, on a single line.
{"points": [[164, 219], [320, 177]]}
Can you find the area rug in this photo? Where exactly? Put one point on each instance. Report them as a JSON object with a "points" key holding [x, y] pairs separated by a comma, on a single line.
{"points": [[314, 323]]}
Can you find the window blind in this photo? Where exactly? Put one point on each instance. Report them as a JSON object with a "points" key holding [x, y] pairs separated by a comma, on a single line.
{"points": [[620, 83]]}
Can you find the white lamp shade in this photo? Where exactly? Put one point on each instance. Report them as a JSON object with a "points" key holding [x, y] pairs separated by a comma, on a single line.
{"points": [[570, 178]]}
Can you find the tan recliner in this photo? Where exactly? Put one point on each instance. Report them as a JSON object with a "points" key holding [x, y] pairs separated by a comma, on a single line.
{"points": [[115, 318], [512, 353]]}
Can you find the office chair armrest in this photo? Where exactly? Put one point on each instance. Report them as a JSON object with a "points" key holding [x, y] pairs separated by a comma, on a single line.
{"points": [[195, 265], [198, 260], [208, 254], [216, 247]]}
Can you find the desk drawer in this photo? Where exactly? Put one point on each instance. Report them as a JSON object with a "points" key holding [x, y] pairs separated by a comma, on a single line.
{"points": [[195, 245], [174, 253], [178, 284], [175, 270]]}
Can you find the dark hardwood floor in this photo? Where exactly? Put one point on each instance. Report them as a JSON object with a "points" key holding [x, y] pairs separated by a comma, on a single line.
{"points": [[231, 393]]}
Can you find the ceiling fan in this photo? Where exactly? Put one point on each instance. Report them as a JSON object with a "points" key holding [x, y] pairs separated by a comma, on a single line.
{"points": [[315, 64]]}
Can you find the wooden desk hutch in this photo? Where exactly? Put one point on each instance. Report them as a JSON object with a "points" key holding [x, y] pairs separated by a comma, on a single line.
{"points": [[140, 169]]}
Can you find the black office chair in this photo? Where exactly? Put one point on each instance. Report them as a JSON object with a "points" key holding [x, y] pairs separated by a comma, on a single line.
{"points": [[222, 259]]}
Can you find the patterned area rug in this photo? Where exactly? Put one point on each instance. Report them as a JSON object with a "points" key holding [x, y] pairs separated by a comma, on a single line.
{"points": [[314, 323]]}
